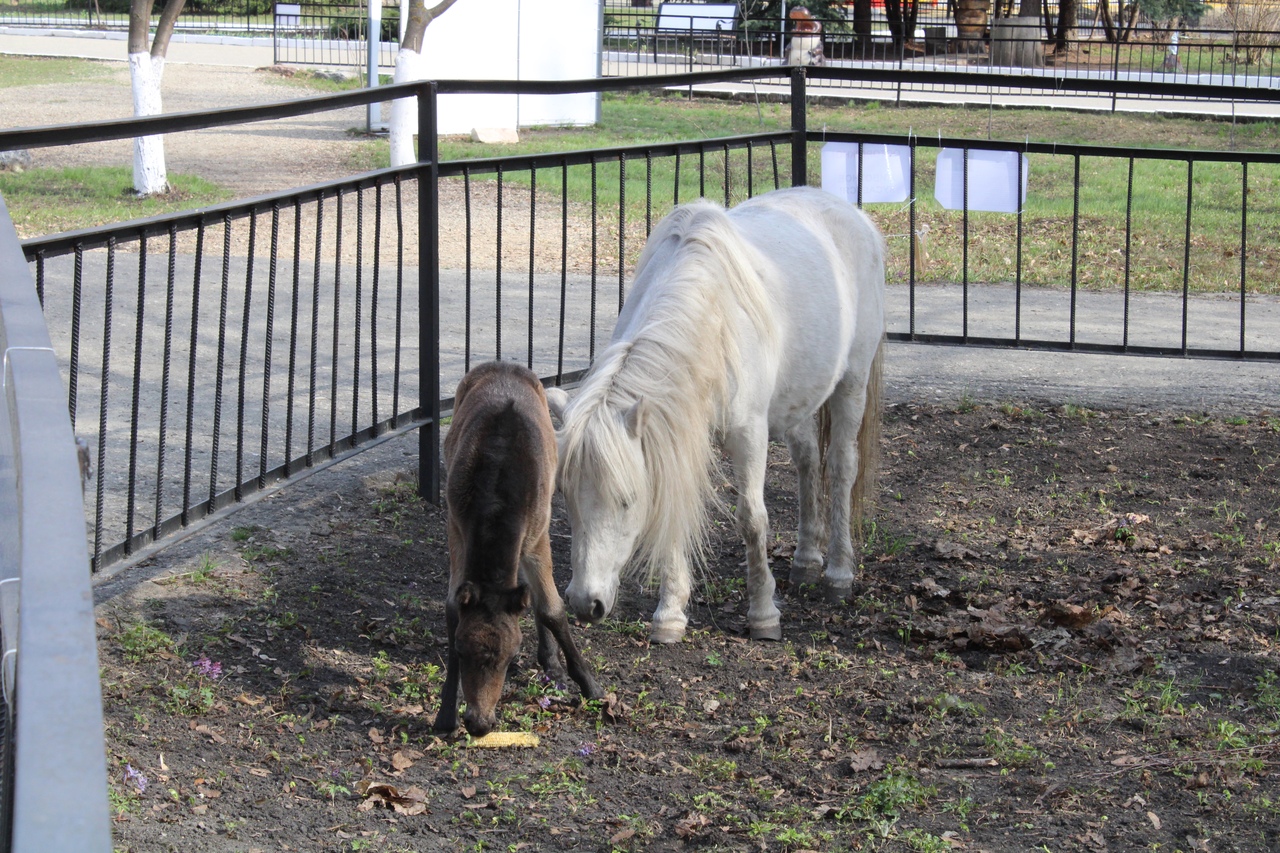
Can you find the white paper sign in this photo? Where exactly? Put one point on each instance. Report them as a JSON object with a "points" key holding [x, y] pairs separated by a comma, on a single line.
{"points": [[993, 180], [885, 171]]}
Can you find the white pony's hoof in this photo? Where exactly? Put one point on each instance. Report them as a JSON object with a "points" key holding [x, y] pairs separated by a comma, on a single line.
{"points": [[770, 631], [837, 593], [666, 634], [805, 573]]}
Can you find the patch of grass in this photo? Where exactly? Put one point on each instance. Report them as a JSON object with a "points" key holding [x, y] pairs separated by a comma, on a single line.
{"points": [[39, 70], [141, 641], [47, 201]]}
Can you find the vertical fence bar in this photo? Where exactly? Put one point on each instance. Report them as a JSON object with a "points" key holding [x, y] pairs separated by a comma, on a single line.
{"points": [[466, 200], [1128, 252], [1017, 266], [374, 287], [1075, 248], [224, 298], [165, 373], [622, 229], [1186, 256], [497, 275], [104, 390], [728, 193], [244, 355], [337, 317], [595, 218], [533, 225], [293, 337], [964, 251], [911, 239], [648, 193], [314, 358], [189, 436], [268, 335], [77, 297], [359, 315], [428, 295], [136, 402], [1244, 245], [564, 265], [395, 387], [799, 130], [675, 200]]}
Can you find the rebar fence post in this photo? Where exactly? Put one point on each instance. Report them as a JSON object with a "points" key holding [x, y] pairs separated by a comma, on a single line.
{"points": [[428, 295], [799, 130]]}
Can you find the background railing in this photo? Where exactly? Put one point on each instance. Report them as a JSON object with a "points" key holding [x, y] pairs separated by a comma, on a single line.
{"points": [[51, 708], [221, 16], [1240, 51]]}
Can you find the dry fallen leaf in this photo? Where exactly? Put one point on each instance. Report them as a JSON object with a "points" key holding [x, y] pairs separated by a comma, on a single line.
{"points": [[865, 759]]}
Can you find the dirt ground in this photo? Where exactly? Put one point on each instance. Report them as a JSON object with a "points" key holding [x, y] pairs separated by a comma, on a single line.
{"points": [[1064, 638]]}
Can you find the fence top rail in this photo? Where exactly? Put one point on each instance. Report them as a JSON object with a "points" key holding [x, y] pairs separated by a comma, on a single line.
{"points": [[101, 131]]}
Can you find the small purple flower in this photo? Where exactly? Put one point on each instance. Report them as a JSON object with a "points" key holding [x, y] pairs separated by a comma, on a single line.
{"points": [[544, 702], [207, 668], [586, 749], [136, 777]]}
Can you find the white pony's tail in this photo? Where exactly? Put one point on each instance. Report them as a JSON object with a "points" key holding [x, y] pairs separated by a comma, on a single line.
{"points": [[862, 494]]}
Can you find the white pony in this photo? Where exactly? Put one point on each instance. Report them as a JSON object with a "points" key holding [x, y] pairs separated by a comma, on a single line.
{"points": [[763, 320]]}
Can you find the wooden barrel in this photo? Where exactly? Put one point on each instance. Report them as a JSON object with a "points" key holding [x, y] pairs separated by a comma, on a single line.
{"points": [[971, 19], [1017, 42]]}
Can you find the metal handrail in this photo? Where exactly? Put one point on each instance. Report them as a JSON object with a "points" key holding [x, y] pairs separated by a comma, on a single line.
{"points": [[54, 699]]}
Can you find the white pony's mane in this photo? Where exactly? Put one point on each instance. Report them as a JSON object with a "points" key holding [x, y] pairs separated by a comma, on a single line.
{"points": [[682, 357]]}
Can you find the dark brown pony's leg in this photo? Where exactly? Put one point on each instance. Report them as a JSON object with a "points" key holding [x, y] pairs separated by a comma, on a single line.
{"points": [[447, 718], [553, 622]]}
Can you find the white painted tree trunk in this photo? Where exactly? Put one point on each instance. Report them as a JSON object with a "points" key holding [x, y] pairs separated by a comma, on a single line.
{"points": [[149, 173], [404, 112]]}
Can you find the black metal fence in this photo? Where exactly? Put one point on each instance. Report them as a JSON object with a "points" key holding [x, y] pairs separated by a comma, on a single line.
{"points": [[208, 355]]}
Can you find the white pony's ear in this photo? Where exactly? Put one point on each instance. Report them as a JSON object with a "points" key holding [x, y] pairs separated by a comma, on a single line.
{"points": [[634, 418], [557, 399]]}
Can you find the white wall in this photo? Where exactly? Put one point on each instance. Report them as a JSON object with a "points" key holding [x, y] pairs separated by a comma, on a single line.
{"points": [[514, 40]]}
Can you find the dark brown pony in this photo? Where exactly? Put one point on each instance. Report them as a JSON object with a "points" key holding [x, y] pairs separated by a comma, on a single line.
{"points": [[500, 464]]}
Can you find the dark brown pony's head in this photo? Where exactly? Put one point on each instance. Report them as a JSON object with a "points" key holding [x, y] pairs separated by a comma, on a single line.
{"points": [[486, 640]]}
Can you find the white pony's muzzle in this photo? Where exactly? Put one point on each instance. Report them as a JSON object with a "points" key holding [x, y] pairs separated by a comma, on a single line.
{"points": [[590, 601]]}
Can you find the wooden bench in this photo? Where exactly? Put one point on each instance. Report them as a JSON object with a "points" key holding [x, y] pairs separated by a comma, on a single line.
{"points": [[694, 21]]}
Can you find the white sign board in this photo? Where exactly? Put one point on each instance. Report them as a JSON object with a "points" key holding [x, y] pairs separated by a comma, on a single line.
{"points": [[885, 170], [514, 40], [993, 180]]}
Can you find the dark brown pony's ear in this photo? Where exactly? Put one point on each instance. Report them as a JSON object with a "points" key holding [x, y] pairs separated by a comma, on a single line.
{"points": [[517, 600], [467, 595]]}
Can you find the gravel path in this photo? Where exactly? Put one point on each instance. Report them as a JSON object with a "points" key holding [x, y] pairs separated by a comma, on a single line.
{"points": [[272, 156]]}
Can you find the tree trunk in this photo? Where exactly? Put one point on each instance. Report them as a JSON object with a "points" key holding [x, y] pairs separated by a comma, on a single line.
{"points": [[902, 21], [404, 112], [1068, 19], [862, 27], [146, 70]]}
